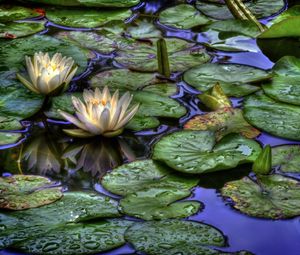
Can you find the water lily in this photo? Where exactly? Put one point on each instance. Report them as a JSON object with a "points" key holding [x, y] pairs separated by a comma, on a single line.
{"points": [[100, 113], [48, 76]]}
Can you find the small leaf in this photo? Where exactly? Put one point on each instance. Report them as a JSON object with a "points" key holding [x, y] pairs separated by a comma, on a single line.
{"points": [[263, 163], [163, 58]]}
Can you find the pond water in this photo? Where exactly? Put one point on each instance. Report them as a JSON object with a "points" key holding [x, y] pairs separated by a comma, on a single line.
{"points": [[43, 136]]}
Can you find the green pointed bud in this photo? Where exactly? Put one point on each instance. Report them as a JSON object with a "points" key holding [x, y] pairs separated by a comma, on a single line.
{"points": [[163, 58], [263, 163], [215, 98]]}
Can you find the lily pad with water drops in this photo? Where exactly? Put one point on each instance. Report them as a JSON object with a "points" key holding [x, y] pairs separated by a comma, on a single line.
{"points": [[9, 138], [80, 238], [189, 17], [223, 121], [14, 30], [21, 192], [141, 55], [273, 197], [89, 3], [12, 53], [89, 18], [16, 102], [260, 8], [276, 118], [197, 152], [145, 174], [174, 237], [286, 158], [235, 80]]}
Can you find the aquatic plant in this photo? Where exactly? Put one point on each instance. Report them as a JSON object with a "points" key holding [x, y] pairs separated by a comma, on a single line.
{"points": [[100, 114]]}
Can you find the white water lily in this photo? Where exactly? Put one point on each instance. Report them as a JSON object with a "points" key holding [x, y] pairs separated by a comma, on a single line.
{"points": [[100, 114], [48, 76]]}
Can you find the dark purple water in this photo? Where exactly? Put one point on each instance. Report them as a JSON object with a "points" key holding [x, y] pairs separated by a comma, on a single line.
{"points": [[259, 236]]}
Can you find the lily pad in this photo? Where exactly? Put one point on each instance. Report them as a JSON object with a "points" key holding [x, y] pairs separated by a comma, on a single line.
{"points": [[88, 18], [276, 118], [14, 30], [286, 158], [260, 8], [89, 3], [12, 53], [21, 192], [16, 102], [13, 13], [284, 86], [223, 121], [80, 238], [139, 175], [197, 152], [158, 204], [174, 237], [275, 197], [7, 138], [139, 123], [235, 80], [141, 55], [189, 17], [143, 29]]}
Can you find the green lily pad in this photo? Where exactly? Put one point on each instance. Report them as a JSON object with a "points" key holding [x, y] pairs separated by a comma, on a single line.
{"points": [[89, 18], [73, 207], [143, 29], [13, 13], [284, 86], [158, 204], [260, 8], [276, 118], [275, 197], [14, 30], [89, 3], [16, 102], [286, 158], [7, 138], [139, 123], [139, 175], [174, 237], [80, 238], [21, 192], [141, 55], [197, 151], [189, 17], [12, 53], [235, 80], [223, 121]]}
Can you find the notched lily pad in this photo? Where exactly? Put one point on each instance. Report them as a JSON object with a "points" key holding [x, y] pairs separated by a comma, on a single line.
{"points": [[197, 152], [20, 192], [174, 237], [286, 158], [274, 197], [223, 121], [235, 80]]}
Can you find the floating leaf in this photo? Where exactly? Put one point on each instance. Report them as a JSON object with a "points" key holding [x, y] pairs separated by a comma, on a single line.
{"points": [[274, 197], [259, 8], [197, 151], [21, 192], [286, 158], [143, 29], [80, 238], [174, 237], [223, 121], [143, 174], [235, 80], [276, 118], [13, 13], [189, 17], [141, 56], [7, 138], [89, 3], [89, 18], [19, 29]]}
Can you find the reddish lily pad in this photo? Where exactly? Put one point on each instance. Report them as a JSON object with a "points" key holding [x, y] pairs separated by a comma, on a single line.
{"points": [[223, 121], [20, 192]]}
